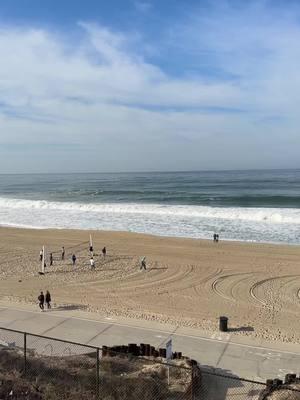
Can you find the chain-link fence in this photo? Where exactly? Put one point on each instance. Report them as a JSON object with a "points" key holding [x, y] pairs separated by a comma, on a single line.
{"points": [[39, 367], [124, 376], [219, 387], [216, 386], [36, 367]]}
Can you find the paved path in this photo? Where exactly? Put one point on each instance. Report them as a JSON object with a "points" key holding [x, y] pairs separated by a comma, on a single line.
{"points": [[245, 360]]}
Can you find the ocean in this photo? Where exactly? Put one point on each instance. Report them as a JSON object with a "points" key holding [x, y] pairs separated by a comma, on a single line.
{"points": [[255, 206]]}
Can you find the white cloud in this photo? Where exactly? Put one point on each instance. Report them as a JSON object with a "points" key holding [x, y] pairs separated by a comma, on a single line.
{"points": [[103, 95], [255, 43]]}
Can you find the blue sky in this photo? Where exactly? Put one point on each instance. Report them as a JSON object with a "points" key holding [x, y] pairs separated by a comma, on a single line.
{"points": [[148, 85]]}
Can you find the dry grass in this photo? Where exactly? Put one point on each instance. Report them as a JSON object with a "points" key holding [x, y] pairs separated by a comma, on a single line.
{"points": [[74, 377]]}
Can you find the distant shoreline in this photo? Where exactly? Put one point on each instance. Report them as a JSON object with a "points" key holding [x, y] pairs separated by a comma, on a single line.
{"points": [[255, 207], [103, 231]]}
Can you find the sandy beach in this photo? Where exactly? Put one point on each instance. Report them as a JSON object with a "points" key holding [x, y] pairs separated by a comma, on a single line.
{"points": [[187, 283]]}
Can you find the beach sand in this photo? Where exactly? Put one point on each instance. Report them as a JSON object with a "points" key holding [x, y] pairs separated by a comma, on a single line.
{"points": [[187, 283]]}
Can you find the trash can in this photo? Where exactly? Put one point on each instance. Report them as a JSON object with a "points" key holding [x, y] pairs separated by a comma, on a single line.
{"points": [[223, 324]]}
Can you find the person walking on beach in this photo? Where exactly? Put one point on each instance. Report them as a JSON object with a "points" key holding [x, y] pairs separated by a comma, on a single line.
{"points": [[63, 253], [143, 263], [215, 237], [91, 250], [41, 255], [48, 299], [41, 300], [92, 263], [51, 259], [104, 251], [73, 259]]}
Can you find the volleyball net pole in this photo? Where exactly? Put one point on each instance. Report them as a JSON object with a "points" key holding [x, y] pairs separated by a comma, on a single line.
{"points": [[43, 260], [91, 245]]}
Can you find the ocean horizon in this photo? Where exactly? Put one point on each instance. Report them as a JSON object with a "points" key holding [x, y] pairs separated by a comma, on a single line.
{"points": [[245, 205]]}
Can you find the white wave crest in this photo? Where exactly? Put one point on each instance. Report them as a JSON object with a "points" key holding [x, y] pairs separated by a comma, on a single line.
{"points": [[246, 224], [267, 215]]}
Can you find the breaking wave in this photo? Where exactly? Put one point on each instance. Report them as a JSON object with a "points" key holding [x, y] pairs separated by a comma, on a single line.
{"points": [[234, 223]]}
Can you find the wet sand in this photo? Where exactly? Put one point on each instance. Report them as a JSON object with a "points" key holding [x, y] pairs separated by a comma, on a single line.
{"points": [[187, 283]]}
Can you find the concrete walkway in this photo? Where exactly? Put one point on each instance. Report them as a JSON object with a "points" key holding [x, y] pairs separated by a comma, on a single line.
{"points": [[243, 357]]}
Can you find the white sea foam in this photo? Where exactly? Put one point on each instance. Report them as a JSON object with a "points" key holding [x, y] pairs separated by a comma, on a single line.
{"points": [[273, 215], [255, 224]]}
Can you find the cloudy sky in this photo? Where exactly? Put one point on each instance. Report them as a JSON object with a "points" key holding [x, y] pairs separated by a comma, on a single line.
{"points": [[131, 85]]}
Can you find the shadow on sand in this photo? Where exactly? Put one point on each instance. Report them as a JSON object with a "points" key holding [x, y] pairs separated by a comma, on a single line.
{"points": [[70, 307], [221, 384], [241, 329]]}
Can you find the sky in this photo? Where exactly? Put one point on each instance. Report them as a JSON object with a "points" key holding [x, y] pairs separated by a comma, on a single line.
{"points": [[132, 85]]}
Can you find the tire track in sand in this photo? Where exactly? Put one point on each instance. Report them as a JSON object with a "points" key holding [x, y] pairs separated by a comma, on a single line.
{"points": [[230, 285], [253, 290]]}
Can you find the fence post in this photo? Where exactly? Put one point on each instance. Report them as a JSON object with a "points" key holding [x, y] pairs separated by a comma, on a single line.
{"points": [[192, 382], [194, 379], [25, 353], [97, 376]]}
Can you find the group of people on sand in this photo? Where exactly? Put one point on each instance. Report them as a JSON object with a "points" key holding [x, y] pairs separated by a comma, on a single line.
{"points": [[143, 265], [92, 261], [73, 258], [216, 237], [103, 251], [44, 299]]}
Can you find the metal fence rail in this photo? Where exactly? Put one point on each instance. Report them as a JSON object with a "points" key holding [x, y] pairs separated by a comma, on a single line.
{"points": [[39, 367]]}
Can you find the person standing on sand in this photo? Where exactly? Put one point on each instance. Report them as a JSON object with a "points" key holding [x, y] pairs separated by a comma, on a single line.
{"points": [[41, 300], [215, 237], [41, 255], [143, 263], [104, 251], [73, 259], [62, 253], [48, 299], [51, 259], [92, 263], [91, 250]]}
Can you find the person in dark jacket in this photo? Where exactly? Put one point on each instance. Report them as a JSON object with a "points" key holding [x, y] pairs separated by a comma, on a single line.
{"points": [[104, 251], [41, 300], [51, 259], [73, 259], [63, 253], [48, 299], [143, 264]]}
